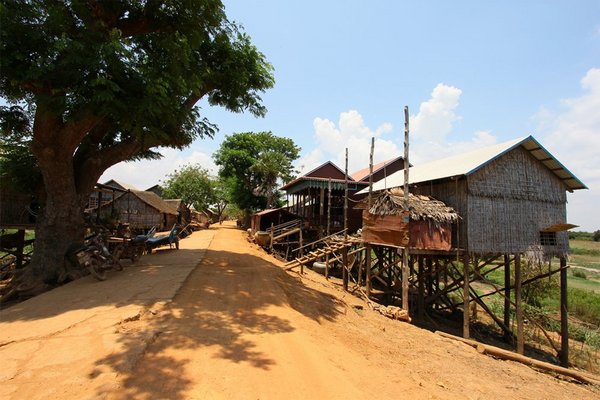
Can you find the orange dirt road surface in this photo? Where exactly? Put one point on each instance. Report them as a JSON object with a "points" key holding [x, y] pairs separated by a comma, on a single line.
{"points": [[220, 319]]}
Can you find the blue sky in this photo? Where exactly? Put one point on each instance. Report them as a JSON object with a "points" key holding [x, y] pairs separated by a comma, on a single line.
{"points": [[472, 73]]}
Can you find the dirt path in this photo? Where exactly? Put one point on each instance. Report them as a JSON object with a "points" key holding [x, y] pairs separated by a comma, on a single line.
{"points": [[241, 327]]}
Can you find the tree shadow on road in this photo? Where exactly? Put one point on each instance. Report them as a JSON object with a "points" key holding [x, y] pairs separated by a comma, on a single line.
{"points": [[224, 305]]}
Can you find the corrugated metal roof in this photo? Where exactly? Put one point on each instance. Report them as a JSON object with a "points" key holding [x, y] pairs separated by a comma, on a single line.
{"points": [[468, 163]]}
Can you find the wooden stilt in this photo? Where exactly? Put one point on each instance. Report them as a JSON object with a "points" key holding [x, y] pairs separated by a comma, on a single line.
{"points": [[421, 298], [507, 294], [519, 306], [564, 315], [300, 253], [466, 311], [405, 279], [20, 249], [327, 266], [345, 267], [368, 266]]}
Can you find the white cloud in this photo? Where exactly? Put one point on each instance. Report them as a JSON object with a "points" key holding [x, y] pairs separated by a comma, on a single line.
{"points": [[351, 132], [147, 173], [572, 134], [434, 120]]}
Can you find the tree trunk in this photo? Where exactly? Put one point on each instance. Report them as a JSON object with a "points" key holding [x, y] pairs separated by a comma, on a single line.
{"points": [[60, 222]]}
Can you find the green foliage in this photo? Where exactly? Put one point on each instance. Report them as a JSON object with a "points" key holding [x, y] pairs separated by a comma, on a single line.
{"points": [[585, 305], [18, 167], [253, 164], [193, 185], [585, 252], [536, 291], [580, 235], [579, 273], [596, 236], [109, 81]]}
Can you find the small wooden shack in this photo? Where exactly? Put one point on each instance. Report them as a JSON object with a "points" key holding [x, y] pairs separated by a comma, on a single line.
{"points": [[426, 225], [263, 220], [141, 210]]}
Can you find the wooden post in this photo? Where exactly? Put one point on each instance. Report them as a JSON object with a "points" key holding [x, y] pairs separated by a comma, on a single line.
{"points": [[466, 298], [429, 264], [518, 305], [405, 250], [271, 241], [327, 266], [507, 294], [405, 279], [329, 207], [371, 174], [564, 315], [345, 271], [368, 266], [421, 298], [300, 252], [346, 197]]}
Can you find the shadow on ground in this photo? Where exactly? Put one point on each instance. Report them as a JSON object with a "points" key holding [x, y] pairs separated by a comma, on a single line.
{"points": [[226, 298]]}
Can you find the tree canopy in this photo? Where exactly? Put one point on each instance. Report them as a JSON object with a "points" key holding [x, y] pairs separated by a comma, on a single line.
{"points": [[106, 82], [193, 185], [254, 164]]}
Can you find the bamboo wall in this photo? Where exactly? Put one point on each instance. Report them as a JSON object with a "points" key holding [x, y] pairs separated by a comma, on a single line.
{"points": [[504, 206], [453, 194], [140, 215], [510, 201]]}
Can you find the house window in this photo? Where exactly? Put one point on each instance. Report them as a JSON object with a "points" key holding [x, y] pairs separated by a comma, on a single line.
{"points": [[93, 202], [548, 238]]}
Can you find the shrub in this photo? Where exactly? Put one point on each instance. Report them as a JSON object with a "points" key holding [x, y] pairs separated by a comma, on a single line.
{"points": [[579, 273], [585, 305]]}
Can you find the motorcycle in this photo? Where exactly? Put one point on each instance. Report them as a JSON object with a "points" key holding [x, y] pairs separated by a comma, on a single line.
{"points": [[94, 256], [108, 261]]}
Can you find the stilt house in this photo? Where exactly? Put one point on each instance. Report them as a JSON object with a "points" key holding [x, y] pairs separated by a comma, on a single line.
{"points": [[511, 197], [318, 196]]}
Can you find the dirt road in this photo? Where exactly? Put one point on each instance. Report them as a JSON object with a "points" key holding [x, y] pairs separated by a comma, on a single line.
{"points": [[240, 327]]}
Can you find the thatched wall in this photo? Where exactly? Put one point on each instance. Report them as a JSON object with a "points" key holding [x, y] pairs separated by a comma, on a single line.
{"points": [[453, 194], [129, 208], [511, 200], [504, 206]]}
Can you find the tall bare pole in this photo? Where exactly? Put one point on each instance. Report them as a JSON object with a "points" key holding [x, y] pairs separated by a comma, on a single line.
{"points": [[346, 197], [405, 250], [345, 271], [328, 207], [371, 172]]}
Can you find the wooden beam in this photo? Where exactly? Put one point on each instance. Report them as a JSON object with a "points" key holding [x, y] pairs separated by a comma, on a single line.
{"points": [[507, 355]]}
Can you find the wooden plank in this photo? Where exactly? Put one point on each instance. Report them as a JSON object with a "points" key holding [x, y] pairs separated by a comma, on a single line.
{"points": [[507, 355]]}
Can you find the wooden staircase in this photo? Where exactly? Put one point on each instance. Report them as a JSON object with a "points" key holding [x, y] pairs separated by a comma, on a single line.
{"points": [[331, 245]]}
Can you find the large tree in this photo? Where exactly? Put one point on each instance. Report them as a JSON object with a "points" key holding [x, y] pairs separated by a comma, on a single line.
{"points": [[193, 185], [112, 81], [253, 165]]}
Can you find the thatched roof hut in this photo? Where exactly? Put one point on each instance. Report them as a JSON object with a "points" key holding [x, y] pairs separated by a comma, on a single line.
{"points": [[420, 207], [426, 225]]}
